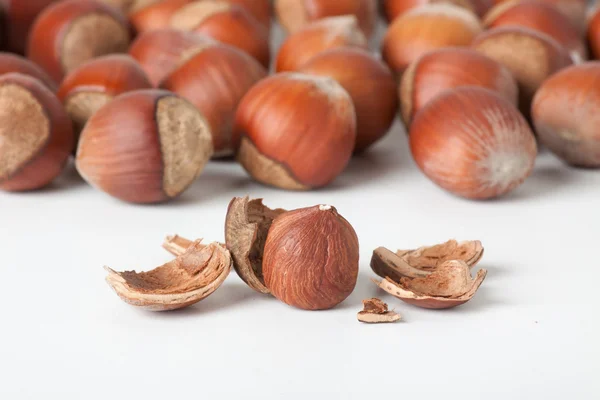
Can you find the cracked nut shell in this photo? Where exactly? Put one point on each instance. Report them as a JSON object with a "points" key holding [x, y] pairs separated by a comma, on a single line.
{"points": [[376, 311], [310, 258]]}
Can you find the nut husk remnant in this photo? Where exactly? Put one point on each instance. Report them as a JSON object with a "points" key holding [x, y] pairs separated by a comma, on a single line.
{"points": [[246, 227], [191, 277], [376, 311], [430, 257]]}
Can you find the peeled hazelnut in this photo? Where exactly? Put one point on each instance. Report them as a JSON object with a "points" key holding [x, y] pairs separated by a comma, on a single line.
{"points": [[160, 52], [593, 33], [14, 63], [214, 80], [36, 137], [145, 146], [575, 10], [310, 258], [228, 23], [69, 33], [427, 28], [370, 84], [473, 143], [394, 8], [149, 15], [376, 311], [315, 38], [295, 131], [246, 227], [445, 69], [296, 14], [531, 57], [566, 117], [191, 277], [94, 84], [18, 16], [541, 18]]}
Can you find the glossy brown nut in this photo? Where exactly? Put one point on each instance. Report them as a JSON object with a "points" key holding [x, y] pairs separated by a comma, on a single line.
{"points": [[446, 69], [228, 23], [473, 143], [145, 146], [160, 52], [370, 84], [395, 8], [326, 34], [541, 18], [15, 63], [565, 114], [94, 84], [215, 80], [262, 10], [593, 33], [425, 29], [122, 5], [293, 15], [531, 57], [149, 15], [36, 137], [575, 10], [295, 131], [19, 15], [311, 258], [71, 32]]}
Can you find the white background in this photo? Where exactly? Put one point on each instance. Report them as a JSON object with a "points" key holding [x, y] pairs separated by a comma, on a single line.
{"points": [[531, 332]]}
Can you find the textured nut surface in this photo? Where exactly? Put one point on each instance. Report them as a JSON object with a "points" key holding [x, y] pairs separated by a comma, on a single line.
{"points": [[376, 311], [191, 277], [430, 257]]}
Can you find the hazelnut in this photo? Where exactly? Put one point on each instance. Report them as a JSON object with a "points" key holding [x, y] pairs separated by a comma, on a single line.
{"points": [[228, 23], [531, 57], [427, 28], [149, 15], [191, 277], [376, 311], [145, 146], [565, 114], [295, 131], [293, 15], [36, 137], [160, 52], [317, 37], [441, 70], [260, 9], [18, 16], [214, 80], [310, 258], [94, 84], [370, 84], [473, 143], [593, 33], [394, 8], [14, 63], [541, 18], [69, 33], [122, 5], [575, 10]]}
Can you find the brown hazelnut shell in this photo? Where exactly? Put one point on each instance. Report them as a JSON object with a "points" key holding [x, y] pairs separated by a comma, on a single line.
{"points": [[395, 8], [191, 277], [160, 52], [214, 80], [262, 10], [310, 258], [246, 227], [291, 149], [593, 33], [370, 84], [317, 37], [36, 137], [376, 311], [293, 15], [566, 115], [146, 16], [430, 257], [15, 63], [71, 32], [145, 146], [19, 16], [95, 83], [575, 10]]}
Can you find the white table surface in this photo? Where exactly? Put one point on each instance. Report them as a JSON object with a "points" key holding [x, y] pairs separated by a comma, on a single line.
{"points": [[531, 332]]}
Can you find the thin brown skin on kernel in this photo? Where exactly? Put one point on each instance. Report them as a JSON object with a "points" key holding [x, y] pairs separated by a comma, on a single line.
{"points": [[311, 258]]}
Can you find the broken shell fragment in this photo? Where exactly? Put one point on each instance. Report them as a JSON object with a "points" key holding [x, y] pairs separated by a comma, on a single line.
{"points": [[430, 257], [191, 277], [246, 227], [376, 311], [449, 285], [177, 245]]}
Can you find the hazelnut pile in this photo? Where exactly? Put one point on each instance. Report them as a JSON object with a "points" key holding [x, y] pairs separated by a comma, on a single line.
{"points": [[144, 93]]}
